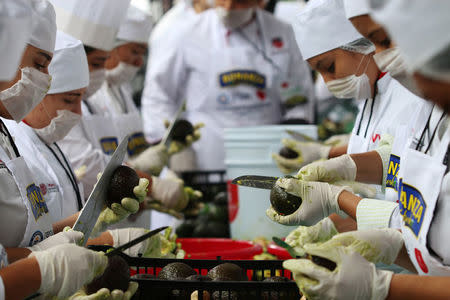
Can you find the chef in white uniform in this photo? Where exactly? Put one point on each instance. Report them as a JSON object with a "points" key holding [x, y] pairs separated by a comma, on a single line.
{"points": [[235, 66]]}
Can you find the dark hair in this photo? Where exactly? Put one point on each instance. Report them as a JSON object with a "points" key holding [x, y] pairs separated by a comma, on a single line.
{"points": [[89, 49]]}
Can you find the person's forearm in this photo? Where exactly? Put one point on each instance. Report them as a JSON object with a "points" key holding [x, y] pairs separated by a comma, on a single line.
{"points": [[15, 254], [69, 221], [21, 279], [404, 261], [337, 151], [104, 239], [348, 202], [343, 224], [369, 167], [410, 287]]}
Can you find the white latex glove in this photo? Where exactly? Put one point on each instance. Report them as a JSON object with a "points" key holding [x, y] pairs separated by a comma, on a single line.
{"points": [[170, 193], [105, 294], [354, 277], [176, 146], [338, 140], [319, 200], [307, 153], [331, 170], [67, 236], [152, 160], [319, 233], [66, 268], [118, 212]]}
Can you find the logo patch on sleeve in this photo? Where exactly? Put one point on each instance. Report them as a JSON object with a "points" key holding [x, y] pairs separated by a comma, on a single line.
{"points": [[247, 77], [393, 168], [136, 143], [412, 207], [109, 144], [37, 202]]}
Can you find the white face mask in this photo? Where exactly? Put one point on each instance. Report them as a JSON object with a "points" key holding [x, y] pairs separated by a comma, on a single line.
{"points": [[96, 79], [234, 18], [59, 126], [351, 86], [389, 60], [26, 93], [122, 73]]}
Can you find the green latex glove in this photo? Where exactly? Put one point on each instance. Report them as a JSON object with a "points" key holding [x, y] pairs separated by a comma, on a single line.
{"points": [[176, 146]]}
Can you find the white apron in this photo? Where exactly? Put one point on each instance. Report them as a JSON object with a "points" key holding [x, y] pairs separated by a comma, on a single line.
{"points": [[3, 257], [420, 180], [39, 224]]}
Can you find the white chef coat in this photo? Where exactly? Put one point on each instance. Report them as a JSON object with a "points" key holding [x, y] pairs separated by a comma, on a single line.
{"points": [[55, 172], [202, 67], [3, 263]]}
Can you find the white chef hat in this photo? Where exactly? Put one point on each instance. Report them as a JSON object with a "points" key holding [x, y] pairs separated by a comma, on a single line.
{"points": [[94, 22], [43, 32], [322, 26], [354, 8], [15, 29], [69, 67], [136, 27], [420, 28]]}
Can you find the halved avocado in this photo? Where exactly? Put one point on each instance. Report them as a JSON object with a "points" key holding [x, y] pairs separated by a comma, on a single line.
{"points": [[116, 276], [227, 272], [288, 153], [121, 185], [181, 130], [176, 271], [283, 202]]}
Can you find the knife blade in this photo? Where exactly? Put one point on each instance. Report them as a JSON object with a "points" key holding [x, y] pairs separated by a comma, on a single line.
{"points": [[300, 136], [168, 135], [255, 181], [97, 199], [136, 241]]}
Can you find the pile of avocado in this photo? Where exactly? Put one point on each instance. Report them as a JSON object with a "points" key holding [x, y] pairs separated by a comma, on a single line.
{"points": [[211, 221]]}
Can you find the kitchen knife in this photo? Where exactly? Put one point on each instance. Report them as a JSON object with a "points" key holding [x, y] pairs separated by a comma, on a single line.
{"points": [[169, 132], [300, 136], [97, 199], [255, 181], [136, 241]]}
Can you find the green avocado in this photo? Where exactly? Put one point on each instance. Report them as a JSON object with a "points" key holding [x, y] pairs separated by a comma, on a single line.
{"points": [[283, 202], [116, 276], [121, 185], [288, 153], [181, 130], [176, 271], [227, 272]]}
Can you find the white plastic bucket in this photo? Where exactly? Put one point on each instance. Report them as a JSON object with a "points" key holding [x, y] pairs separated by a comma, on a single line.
{"points": [[248, 151]]}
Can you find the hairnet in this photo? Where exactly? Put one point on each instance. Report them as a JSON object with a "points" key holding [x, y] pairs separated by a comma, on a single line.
{"points": [[322, 26], [15, 29], [136, 27], [69, 67], [43, 33], [362, 45], [354, 8]]}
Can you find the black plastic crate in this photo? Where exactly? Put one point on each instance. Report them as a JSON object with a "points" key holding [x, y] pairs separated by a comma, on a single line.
{"points": [[210, 183]]}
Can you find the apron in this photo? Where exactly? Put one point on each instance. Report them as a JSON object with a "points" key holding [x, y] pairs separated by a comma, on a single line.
{"points": [[3, 257], [39, 224], [419, 179]]}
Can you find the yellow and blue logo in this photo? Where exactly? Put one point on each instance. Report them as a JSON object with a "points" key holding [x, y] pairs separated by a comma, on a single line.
{"points": [[109, 144], [136, 143], [37, 202], [37, 237], [394, 167], [237, 77], [412, 207]]}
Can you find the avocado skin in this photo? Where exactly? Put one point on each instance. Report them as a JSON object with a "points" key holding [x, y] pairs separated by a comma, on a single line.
{"points": [[288, 153], [121, 185], [277, 279], [198, 278], [176, 270], [115, 277], [283, 202], [227, 272], [182, 128]]}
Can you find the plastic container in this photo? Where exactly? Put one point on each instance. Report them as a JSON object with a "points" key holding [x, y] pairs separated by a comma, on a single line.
{"points": [[248, 151], [204, 248]]}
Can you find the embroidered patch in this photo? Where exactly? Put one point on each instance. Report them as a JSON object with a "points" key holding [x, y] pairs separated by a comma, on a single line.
{"points": [[109, 144], [37, 202], [393, 168], [412, 207], [237, 77], [136, 143], [36, 238]]}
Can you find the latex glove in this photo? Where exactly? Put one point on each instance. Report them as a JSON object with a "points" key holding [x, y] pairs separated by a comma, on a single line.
{"points": [[118, 212], [105, 294], [354, 277], [307, 153], [319, 233], [319, 201], [338, 140], [80, 172], [170, 193], [66, 268], [152, 160], [375, 245], [176, 146], [67, 236], [331, 170]]}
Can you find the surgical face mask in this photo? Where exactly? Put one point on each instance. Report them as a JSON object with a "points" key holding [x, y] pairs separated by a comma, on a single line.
{"points": [[96, 79], [390, 61], [351, 86], [234, 18], [59, 126], [25, 94], [122, 73]]}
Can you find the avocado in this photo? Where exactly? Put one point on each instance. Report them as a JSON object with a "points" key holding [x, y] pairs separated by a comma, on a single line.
{"points": [[181, 130], [288, 153], [121, 185], [221, 198], [227, 272], [198, 278], [283, 202], [277, 279], [185, 229], [115, 277], [176, 271], [323, 262]]}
